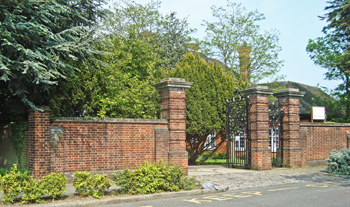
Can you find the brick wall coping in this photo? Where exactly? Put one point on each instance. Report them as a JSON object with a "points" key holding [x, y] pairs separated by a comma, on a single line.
{"points": [[310, 124], [111, 120]]}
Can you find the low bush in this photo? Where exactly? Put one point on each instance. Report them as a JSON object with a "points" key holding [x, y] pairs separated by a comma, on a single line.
{"points": [[54, 185], [218, 156], [82, 183], [204, 155], [338, 162], [3, 171], [19, 182], [13, 183], [151, 178], [87, 185], [32, 191], [100, 183]]}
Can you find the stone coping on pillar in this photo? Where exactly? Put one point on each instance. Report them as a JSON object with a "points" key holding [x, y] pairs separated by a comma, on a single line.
{"points": [[40, 109], [289, 92], [173, 83], [257, 89]]}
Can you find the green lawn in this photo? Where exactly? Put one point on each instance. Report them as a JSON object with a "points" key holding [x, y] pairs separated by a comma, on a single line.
{"points": [[219, 161], [214, 162]]}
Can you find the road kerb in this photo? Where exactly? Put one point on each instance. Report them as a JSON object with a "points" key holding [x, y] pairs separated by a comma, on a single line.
{"points": [[118, 200]]}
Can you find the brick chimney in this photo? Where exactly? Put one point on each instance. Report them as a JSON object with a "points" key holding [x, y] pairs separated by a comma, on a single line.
{"points": [[244, 61]]}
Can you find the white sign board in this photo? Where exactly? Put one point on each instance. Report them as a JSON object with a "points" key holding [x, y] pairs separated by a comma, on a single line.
{"points": [[318, 113]]}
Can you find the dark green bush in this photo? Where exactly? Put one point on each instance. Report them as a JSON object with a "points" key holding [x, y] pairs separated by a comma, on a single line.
{"points": [[151, 178], [220, 155], [3, 171], [204, 155], [338, 162]]}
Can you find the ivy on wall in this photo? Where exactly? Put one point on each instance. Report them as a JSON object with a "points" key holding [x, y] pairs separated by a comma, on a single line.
{"points": [[17, 137]]}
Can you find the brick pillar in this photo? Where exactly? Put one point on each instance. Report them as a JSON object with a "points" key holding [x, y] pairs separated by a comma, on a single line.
{"points": [[38, 142], [259, 126], [173, 106], [288, 100]]}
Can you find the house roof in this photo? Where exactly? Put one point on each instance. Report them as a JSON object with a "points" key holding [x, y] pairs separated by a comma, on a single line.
{"points": [[312, 97]]}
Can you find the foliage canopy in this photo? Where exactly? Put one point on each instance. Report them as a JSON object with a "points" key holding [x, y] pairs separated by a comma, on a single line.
{"points": [[169, 35], [235, 28], [332, 53], [40, 41]]}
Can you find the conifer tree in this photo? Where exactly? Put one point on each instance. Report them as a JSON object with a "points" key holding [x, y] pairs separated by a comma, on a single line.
{"points": [[205, 101], [40, 43]]}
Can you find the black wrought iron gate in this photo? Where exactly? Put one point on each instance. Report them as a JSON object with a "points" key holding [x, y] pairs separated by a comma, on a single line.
{"points": [[238, 132], [276, 134]]}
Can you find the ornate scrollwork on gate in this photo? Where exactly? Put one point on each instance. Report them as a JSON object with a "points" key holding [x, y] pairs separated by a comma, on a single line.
{"points": [[237, 131]]}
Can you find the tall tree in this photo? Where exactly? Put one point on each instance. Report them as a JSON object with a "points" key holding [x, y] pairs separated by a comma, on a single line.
{"points": [[170, 35], [235, 28], [332, 52], [124, 89], [205, 102], [41, 40]]}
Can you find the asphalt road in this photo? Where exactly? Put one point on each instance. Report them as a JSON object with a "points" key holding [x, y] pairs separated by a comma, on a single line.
{"points": [[303, 194]]}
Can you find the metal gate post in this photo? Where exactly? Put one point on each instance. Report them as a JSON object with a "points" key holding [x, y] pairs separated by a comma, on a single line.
{"points": [[259, 126]]}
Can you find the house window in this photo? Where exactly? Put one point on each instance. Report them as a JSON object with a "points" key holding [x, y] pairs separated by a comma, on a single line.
{"points": [[210, 142], [240, 142], [274, 139]]}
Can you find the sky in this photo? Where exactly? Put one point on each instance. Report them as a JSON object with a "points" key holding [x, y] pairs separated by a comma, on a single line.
{"points": [[297, 21]]}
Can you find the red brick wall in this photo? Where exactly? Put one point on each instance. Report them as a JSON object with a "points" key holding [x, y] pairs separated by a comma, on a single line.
{"points": [[318, 139], [100, 145]]}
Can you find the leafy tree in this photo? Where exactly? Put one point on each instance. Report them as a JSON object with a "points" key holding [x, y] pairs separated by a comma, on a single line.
{"points": [[122, 90], [40, 41], [332, 53], [170, 35], [235, 28], [205, 101]]}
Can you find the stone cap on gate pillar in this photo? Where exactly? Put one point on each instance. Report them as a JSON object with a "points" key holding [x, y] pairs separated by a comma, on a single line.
{"points": [[289, 92], [177, 83], [257, 90]]}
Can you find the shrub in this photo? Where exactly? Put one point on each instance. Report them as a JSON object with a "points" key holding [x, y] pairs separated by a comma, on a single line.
{"points": [[54, 185], [82, 183], [3, 171], [86, 184], [12, 184], [151, 178], [218, 156], [32, 191], [338, 162], [204, 155], [188, 183], [100, 183]]}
